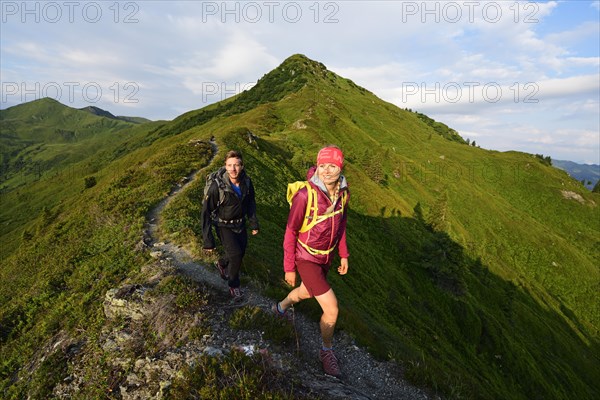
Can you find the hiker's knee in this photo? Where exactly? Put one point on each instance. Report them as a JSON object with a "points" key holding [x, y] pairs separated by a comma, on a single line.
{"points": [[329, 305], [298, 294], [330, 314]]}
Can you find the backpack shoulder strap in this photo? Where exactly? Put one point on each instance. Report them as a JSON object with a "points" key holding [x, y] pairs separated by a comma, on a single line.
{"points": [[293, 188], [310, 215], [214, 177]]}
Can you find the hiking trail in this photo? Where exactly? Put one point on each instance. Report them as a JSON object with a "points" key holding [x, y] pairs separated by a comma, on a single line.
{"points": [[364, 377]]}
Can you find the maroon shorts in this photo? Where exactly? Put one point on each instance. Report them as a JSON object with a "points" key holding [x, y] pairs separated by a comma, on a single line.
{"points": [[314, 277]]}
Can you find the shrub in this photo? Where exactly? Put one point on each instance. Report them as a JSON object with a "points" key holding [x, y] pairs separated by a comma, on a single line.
{"points": [[89, 181]]}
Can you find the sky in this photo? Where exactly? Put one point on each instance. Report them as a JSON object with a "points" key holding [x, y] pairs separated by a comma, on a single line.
{"points": [[510, 75]]}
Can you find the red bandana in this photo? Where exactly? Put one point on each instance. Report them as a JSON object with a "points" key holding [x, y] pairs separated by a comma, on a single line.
{"points": [[330, 155]]}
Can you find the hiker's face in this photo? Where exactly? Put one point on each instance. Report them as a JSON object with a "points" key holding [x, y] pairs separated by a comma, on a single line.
{"points": [[328, 173], [234, 167]]}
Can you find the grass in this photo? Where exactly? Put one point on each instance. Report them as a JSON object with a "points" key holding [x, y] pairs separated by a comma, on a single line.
{"points": [[38, 158], [235, 375], [468, 267], [56, 281], [278, 331]]}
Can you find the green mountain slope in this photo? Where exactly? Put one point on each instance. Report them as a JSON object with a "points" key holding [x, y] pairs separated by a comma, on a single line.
{"points": [[44, 146], [475, 270], [43, 136]]}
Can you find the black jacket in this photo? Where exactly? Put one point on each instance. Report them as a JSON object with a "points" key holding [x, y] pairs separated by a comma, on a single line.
{"points": [[232, 213]]}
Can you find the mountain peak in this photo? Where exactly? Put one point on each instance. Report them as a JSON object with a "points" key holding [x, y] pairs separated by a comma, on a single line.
{"points": [[45, 101], [299, 63], [29, 106], [98, 111], [294, 73], [290, 76]]}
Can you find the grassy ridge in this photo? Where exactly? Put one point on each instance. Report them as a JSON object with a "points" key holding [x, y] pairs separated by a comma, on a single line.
{"points": [[499, 304], [401, 300], [79, 249], [469, 267], [49, 149]]}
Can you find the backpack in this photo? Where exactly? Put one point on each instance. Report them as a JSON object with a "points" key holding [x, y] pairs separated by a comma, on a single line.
{"points": [[214, 177], [210, 178], [310, 216]]}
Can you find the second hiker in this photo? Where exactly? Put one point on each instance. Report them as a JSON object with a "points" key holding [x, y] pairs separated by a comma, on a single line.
{"points": [[316, 226], [228, 201]]}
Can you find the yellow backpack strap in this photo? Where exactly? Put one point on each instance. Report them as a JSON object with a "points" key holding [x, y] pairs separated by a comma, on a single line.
{"points": [[323, 217], [311, 210], [293, 188], [315, 252], [311, 203]]}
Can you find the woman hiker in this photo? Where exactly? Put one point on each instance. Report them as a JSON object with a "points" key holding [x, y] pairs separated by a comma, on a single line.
{"points": [[227, 202], [308, 246]]}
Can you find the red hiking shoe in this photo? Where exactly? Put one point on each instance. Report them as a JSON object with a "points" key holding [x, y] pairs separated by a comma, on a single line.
{"points": [[236, 293], [286, 315], [330, 363], [222, 271]]}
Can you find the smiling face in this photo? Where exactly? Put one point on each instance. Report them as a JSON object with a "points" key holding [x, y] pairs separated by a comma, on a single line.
{"points": [[328, 173], [234, 167]]}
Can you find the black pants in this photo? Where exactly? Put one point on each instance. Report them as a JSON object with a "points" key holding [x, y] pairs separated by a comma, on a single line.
{"points": [[234, 245]]}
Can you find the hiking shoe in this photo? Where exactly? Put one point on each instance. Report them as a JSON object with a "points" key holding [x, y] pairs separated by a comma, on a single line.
{"points": [[330, 363], [287, 314], [236, 293], [222, 271]]}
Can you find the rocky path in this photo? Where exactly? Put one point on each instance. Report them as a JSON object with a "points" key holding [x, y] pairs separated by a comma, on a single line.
{"points": [[364, 377]]}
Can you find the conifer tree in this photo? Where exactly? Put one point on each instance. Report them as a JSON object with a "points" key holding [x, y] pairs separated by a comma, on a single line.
{"points": [[438, 215]]}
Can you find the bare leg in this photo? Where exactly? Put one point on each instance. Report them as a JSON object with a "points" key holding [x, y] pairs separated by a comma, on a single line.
{"points": [[296, 295], [329, 305]]}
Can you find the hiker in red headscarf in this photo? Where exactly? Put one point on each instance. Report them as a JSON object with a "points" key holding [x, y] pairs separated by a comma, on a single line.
{"points": [[316, 226]]}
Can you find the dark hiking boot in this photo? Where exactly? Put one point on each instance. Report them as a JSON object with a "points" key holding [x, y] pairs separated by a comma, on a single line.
{"points": [[236, 293], [222, 271], [330, 363]]}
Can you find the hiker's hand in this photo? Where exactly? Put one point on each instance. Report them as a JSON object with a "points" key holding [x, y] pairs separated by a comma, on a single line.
{"points": [[290, 278], [209, 251], [343, 268], [255, 231]]}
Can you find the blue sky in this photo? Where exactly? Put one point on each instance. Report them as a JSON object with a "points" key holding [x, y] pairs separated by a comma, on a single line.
{"points": [[511, 75]]}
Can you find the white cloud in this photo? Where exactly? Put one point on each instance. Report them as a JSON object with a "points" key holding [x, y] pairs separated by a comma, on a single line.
{"points": [[236, 65], [77, 58], [240, 55], [575, 85], [575, 34], [584, 61], [175, 50]]}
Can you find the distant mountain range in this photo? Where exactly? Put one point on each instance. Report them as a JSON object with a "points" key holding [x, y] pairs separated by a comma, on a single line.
{"points": [[588, 174], [103, 113]]}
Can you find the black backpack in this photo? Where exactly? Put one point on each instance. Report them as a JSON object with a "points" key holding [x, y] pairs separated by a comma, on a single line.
{"points": [[215, 177]]}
